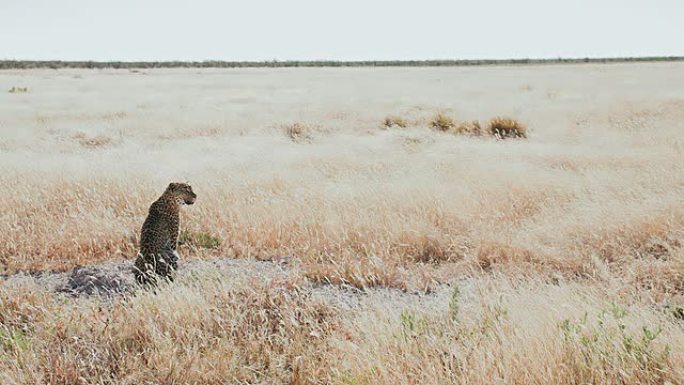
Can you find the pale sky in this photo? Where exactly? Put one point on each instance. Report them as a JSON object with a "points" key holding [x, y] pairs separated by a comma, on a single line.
{"points": [[338, 30]]}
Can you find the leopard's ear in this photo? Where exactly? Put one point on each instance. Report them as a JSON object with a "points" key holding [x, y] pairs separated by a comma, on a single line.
{"points": [[172, 186]]}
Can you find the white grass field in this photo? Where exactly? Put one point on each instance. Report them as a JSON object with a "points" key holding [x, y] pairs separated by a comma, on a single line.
{"points": [[331, 245]]}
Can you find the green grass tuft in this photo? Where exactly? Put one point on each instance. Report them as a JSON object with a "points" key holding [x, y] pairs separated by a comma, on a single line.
{"points": [[199, 239]]}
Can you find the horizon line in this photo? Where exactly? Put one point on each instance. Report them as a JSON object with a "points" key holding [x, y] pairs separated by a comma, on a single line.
{"points": [[143, 64]]}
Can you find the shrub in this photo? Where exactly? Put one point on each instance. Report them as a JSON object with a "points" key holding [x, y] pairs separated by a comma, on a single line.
{"points": [[18, 90], [469, 128], [297, 132], [395, 121], [442, 122], [503, 128], [608, 343]]}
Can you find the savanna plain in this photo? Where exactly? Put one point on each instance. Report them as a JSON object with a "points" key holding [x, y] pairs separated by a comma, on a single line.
{"points": [[352, 226]]}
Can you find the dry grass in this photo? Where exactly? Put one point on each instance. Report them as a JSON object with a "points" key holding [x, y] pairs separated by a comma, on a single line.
{"points": [[199, 239], [502, 128], [442, 122], [298, 132], [471, 127], [18, 90], [445, 123], [594, 340], [197, 332], [92, 141], [395, 121], [253, 331], [578, 219]]}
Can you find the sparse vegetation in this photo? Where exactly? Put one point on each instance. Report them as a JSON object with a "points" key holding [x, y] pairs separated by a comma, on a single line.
{"points": [[471, 127], [18, 90], [442, 122], [298, 132], [445, 123], [503, 128], [199, 239], [395, 121], [607, 345], [92, 141], [56, 64]]}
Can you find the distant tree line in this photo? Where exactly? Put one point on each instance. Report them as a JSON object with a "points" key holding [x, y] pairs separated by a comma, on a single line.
{"points": [[56, 64]]}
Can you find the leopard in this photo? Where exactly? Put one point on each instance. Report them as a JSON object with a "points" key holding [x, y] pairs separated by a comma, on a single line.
{"points": [[158, 257]]}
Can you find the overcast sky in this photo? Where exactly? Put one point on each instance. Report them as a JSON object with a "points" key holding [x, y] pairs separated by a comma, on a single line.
{"points": [[337, 29]]}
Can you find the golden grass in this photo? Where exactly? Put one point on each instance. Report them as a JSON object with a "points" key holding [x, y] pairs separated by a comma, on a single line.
{"points": [[445, 123], [442, 122], [371, 236], [471, 127], [249, 330], [200, 332], [597, 341], [534, 234], [503, 127]]}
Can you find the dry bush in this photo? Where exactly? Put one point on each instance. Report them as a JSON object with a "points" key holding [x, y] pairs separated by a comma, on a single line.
{"points": [[445, 123], [18, 90], [395, 121], [471, 127], [442, 122], [298, 132], [502, 128]]}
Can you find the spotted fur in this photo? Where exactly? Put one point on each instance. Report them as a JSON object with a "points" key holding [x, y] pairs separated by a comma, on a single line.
{"points": [[159, 235]]}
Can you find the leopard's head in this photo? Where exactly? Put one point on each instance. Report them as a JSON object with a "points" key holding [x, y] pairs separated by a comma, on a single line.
{"points": [[182, 192]]}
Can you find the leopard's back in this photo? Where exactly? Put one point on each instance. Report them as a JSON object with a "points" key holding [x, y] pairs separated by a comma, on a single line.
{"points": [[158, 241]]}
